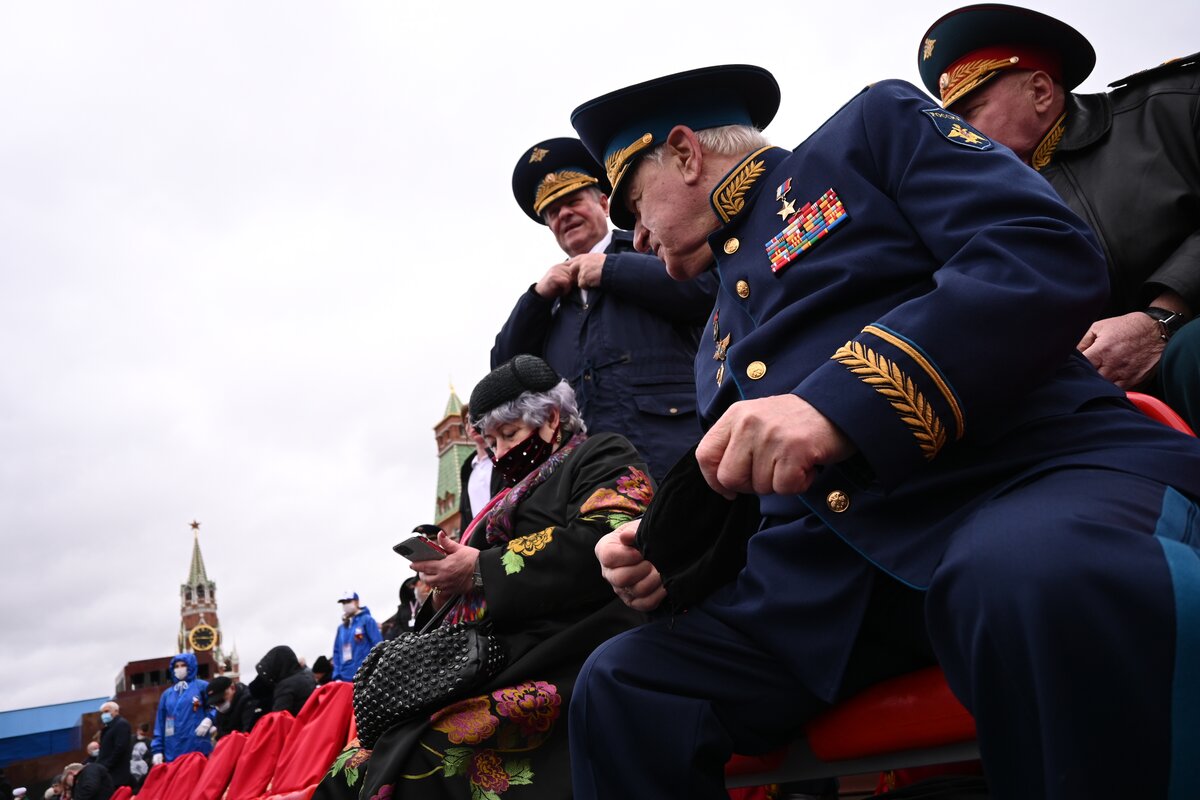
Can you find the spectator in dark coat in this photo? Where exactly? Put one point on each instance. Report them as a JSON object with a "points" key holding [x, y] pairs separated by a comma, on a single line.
{"points": [[88, 782], [291, 684], [237, 709], [322, 670], [116, 744]]}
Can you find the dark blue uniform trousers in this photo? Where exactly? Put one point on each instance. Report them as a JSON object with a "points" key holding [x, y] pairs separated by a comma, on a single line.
{"points": [[1065, 613]]}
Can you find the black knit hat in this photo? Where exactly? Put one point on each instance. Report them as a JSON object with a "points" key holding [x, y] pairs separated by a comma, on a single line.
{"points": [[507, 382]]}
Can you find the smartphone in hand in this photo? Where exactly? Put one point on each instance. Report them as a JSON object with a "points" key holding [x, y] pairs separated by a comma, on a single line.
{"points": [[419, 548]]}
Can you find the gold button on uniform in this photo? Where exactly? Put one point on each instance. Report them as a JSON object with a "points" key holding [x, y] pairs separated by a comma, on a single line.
{"points": [[743, 289], [837, 501], [755, 370], [731, 246], [673, 410]]}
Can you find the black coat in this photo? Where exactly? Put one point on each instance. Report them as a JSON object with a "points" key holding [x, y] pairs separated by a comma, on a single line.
{"points": [[244, 711], [94, 783], [116, 748], [290, 682], [1129, 164]]}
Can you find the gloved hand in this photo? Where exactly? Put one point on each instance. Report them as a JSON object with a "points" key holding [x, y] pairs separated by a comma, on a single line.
{"points": [[203, 728], [158, 759]]}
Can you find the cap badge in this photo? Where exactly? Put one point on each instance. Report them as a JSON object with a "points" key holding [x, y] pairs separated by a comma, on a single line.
{"points": [[538, 154], [805, 228]]}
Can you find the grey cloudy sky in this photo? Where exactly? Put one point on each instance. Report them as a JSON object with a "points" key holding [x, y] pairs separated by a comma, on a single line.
{"points": [[245, 248]]}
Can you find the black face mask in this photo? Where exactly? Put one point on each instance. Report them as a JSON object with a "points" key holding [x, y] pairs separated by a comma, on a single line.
{"points": [[524, 458]]}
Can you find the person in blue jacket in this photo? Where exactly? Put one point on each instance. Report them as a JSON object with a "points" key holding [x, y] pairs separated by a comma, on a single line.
{"points": [[607, 319], [941, 475], [184, 718], [355, 637]]}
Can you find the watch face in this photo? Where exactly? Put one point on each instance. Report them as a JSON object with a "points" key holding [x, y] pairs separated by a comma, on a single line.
{"points": [[203, 637]]}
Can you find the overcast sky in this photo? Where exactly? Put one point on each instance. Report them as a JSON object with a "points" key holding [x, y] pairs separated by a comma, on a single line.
{"points": [[245, 248]]}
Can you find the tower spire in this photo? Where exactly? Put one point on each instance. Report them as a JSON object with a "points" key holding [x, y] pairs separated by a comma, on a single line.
{"points": [[196, 573]]}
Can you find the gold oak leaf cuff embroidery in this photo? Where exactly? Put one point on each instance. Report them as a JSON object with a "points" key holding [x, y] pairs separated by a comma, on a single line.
{"points": [[891, 382]]}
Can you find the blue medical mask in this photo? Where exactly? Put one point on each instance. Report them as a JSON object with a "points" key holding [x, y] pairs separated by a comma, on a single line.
{"points": [[106, 717]]}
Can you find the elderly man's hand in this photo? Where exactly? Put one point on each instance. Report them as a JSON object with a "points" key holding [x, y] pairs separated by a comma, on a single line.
{"points": [[589, 268], [455, 573], [771, 445], [1126, 349], [558, 280], [633, 578]]}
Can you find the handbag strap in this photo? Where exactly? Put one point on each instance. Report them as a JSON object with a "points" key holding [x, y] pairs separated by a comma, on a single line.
{"points": [[441, 613]]}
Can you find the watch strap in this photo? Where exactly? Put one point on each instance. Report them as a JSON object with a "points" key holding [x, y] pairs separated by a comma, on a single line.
{"points": [[1169, 321]]}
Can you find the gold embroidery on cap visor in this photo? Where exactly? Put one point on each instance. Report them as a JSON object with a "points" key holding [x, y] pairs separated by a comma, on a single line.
{"points": [[618, 162], [969, 75], [557, 184], [927, 50]]}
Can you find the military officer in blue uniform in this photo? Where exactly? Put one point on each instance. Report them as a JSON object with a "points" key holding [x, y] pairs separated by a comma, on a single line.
{"points": [[1126, 160], [607, 318], [891, 367]]}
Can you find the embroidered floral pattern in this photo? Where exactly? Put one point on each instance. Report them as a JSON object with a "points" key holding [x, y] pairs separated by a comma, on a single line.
{"points": [[467, 721], [513, 560], [385, 792], [636, 485], [487, 772], [349, 761], [533, 706], [610, 500]]}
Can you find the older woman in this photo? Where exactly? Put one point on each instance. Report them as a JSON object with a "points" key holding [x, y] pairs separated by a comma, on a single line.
{"points": [[528, 565]]}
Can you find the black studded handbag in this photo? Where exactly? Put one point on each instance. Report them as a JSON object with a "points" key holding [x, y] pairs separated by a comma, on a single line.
{"points": [[416, 673]]}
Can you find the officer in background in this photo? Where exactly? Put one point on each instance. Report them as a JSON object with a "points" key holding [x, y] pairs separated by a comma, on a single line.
{"points": [[1126, 160], [607, 319], [939, 471]]}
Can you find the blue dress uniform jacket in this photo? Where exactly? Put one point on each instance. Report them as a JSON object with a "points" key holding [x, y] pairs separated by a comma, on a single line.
{"points": [[934, 321], [627, 352], [937, 334]]}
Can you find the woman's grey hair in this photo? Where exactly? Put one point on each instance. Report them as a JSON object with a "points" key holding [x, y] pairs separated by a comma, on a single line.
{"points": [[727, 140], [533, 408]]}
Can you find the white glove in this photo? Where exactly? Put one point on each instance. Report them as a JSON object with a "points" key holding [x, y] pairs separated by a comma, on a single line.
{"points": [[158, 759], [205, 725]]}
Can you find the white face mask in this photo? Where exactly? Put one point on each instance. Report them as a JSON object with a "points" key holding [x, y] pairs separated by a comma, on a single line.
{"points": [[181, 673], [224, 707], [349, 608]]}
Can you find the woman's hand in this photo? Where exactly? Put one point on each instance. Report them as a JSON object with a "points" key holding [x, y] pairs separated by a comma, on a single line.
{"points": [[454, 574], [635, 580]]}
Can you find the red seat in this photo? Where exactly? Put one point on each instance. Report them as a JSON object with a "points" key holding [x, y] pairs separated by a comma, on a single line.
{"points": [[122, 793], [214, 781], [184, 773], [256, 767], [318, 735], [909, 721]]}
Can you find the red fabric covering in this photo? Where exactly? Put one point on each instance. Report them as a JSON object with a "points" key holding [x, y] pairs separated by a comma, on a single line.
{"points": [[185, 771], [911, 711], [255, 768], [753, 793], [1156, 409], [122, 793], [748, 765], [224, 758], [315, 740], [155, 785]]}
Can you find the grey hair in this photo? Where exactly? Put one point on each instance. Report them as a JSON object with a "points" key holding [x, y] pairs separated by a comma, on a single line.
{"points": [[726, 140], [533, 408]]}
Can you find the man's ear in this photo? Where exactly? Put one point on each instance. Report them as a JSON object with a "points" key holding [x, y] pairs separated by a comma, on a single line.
{"points": [[684, 151], [604, 203], [1042, 90]]}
